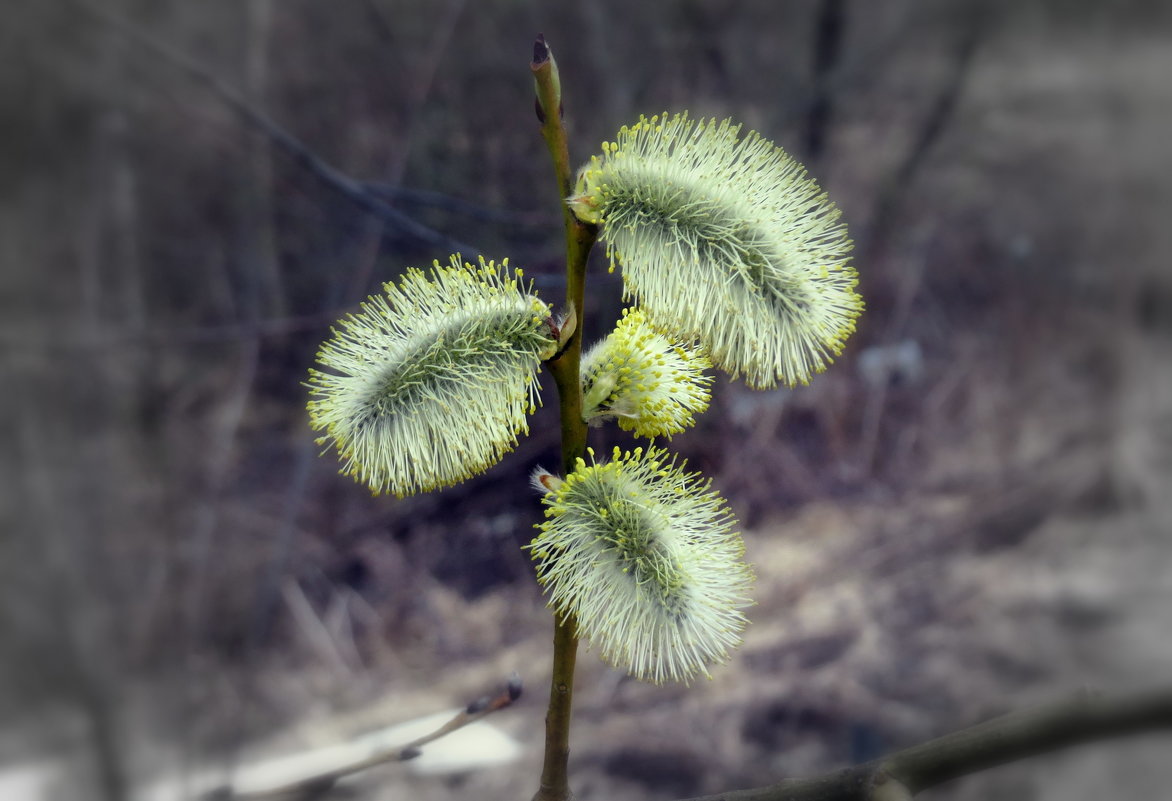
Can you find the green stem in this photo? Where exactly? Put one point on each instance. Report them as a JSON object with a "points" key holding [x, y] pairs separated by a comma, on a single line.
{"points": [[555, 785], [579, 240]]}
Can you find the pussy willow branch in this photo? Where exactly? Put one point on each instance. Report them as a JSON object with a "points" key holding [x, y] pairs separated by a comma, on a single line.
{"points": [[579, 240], [1086, 718]]}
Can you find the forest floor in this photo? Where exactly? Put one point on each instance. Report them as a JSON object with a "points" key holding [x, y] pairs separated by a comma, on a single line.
{"points": [[880, 623]]}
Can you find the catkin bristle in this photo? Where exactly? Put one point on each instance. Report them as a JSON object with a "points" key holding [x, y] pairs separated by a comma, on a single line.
{"points": [[649, 384], [725, 239], [644, 556], [431, 383]]}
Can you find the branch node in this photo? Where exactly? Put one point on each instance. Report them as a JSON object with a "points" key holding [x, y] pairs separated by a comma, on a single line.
{"points": [[479, 705], [540, 50]]}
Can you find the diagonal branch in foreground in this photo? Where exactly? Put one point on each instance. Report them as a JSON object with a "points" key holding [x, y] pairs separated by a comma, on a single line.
{"points": [[1088, 717], [348, 187]]}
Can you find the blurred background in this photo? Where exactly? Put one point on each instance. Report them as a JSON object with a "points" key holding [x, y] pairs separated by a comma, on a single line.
{"points": [[966, 514]]}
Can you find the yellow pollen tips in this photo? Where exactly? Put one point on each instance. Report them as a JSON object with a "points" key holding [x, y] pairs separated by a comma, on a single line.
{"points": [[431, 382], [724, 239], [644, 556], [622, 379]]}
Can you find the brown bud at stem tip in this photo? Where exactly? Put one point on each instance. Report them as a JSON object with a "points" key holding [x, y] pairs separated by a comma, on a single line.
{"points": [[545, 75], [540, 50], [479, 705]]}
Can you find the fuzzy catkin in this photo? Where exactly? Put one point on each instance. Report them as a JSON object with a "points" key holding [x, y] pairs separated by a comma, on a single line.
{"points": [[645, 558], [723, 238], [651, 385], [431, 383]]}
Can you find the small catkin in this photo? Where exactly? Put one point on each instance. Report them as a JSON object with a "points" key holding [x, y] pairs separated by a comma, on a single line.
{"points": [[652, 386]]}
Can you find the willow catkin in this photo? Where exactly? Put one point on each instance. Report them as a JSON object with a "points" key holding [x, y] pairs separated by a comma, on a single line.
{"points": [[431, 383], [643, 555], [649, 384], [725, 239]]}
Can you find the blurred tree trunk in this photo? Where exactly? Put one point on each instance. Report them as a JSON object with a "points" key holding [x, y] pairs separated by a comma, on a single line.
{"points": [[829, 26], [261, 265], [125, 219]]}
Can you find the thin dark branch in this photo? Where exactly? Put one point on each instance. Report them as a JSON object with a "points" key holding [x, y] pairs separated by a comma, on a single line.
{"points": [[972, 30], [850, 69], [194, 335], [381, 23], [300, 153], [828, 37], [420, 72], [26, 341], [459, 206], [1087, 718], [973, 27]]}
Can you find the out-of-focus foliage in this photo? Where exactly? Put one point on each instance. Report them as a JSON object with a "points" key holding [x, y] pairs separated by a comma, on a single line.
{"points": [[166, 273]]}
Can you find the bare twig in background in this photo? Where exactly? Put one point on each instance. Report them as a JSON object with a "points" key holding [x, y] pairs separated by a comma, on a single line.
{"points": [[222, 446], [317, 633], [372, 196], [973, 27], [847, 71], [1086, 718], [380, 21], [465, 208], [418, 85], [303, 155], [103, 343], [257, 194], [73, 634], [314, 786], [607, 61], [110, 343], [828, 35], [972, 30], [124, 217]]}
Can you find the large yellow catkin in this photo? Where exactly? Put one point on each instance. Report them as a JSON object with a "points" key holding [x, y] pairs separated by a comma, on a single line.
{"points": [[431, 383], [643, 555], [724, 239]]}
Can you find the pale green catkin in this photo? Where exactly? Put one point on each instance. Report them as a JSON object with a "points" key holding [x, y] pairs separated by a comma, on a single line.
{"points": [[644, 556], [724, 239], [431, 383]]}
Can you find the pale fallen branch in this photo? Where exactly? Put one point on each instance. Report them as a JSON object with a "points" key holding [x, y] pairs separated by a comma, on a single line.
{"points": [[315, 784]]}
